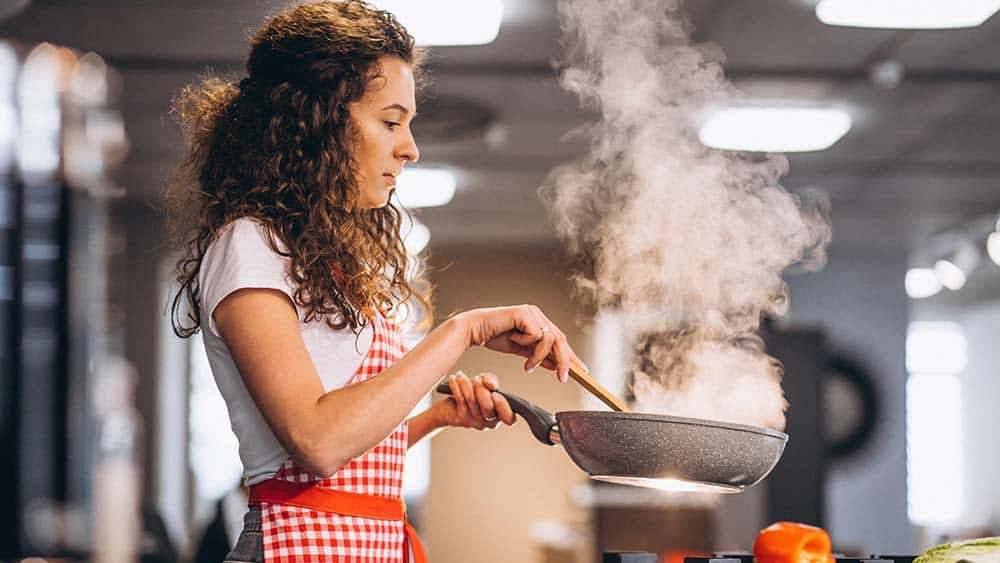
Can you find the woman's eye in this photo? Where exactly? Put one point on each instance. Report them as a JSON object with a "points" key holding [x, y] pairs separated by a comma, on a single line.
{"points": [[391, 124]]}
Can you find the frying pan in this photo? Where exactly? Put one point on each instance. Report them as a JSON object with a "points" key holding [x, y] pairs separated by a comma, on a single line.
{"points": [[658, 451]]}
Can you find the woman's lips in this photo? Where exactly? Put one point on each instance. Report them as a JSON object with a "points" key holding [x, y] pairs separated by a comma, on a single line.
{"points": [[389, 179]]}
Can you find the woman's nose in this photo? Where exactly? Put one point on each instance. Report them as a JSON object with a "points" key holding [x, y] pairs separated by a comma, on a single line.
{"points": [[408, 150]]}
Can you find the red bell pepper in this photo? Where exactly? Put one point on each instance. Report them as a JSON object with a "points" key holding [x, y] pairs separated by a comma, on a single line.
{"points": [[791, 542]]}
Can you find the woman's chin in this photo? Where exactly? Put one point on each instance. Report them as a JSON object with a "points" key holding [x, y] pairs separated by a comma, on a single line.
{"points": [[379, 201]]}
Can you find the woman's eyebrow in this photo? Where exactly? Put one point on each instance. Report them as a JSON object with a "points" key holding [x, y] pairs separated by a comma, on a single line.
{"points": [[400, 108]]}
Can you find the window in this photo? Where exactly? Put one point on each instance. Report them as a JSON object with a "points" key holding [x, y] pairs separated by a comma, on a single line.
{"points": [[417, 471], [213, 449], [935, 358]]}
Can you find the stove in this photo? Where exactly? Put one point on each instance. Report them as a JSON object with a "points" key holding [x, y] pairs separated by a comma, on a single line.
{"points": [[636, 557], [839, 557], [629, 557]]}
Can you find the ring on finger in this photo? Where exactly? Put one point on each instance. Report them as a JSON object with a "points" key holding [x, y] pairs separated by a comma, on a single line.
{"points": [[489, 418]]}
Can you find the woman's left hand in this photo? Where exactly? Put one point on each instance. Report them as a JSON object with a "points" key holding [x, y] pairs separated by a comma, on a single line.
{"points": [[474, 403]]}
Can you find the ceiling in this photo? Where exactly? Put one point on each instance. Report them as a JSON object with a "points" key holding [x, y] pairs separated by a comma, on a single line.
{"points": [[921, 158]]}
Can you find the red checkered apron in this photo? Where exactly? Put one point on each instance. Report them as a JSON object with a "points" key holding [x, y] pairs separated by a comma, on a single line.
{"points": [[355, 515]]}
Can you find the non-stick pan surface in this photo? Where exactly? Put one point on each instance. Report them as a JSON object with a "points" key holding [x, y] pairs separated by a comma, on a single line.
{"points": [[633, 447], [657, 450]]}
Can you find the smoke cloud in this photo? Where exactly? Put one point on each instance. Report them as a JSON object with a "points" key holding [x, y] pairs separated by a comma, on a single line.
{"points": [[688, 243]]}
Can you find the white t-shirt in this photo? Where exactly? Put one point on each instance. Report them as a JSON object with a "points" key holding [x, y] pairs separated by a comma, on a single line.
{"points": [[238, 258]]}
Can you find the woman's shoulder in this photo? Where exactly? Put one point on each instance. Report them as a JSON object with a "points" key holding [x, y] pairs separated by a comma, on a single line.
{"points": [[242, 251], [247, 231], [240, 256]]}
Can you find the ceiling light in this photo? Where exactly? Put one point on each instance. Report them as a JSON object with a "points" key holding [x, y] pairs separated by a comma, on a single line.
{"points": [[774, 129], [425, 187], [906, 14], [921, 283], [448, 22], [950, 275], [993, 247], [953, 270]]}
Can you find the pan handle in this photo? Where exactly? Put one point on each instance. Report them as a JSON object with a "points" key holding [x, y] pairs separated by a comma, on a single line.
{"points": [[543, 425]]}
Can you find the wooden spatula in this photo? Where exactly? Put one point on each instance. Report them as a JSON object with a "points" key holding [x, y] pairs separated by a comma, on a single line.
{"points": [[595, 388]]}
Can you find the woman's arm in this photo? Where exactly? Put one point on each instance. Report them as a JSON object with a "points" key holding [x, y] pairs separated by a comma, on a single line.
{"points": [[423, 425], [323, 431], [472, 404]]}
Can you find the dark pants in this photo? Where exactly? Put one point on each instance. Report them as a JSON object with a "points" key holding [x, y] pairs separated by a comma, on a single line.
{"points": [[250, 546]]}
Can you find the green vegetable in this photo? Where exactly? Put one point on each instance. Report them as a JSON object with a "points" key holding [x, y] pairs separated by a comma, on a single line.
{"points": [[983, 550]]}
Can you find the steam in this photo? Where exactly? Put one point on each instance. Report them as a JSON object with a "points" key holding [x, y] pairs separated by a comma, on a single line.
{"points": [[689, 243]]}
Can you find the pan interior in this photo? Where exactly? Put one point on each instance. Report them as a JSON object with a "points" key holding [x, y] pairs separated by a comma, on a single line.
{"points": [[676, 420], [667, 484]]}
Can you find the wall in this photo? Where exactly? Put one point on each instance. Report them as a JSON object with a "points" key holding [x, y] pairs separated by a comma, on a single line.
{"points": [[858, 299], [488, 488]]}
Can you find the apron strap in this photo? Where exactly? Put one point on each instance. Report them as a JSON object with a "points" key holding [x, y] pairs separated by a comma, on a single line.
{"points": [[307, 495], [411, 542]]}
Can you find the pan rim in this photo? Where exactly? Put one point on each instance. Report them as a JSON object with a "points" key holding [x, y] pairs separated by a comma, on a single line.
{"points": [[717, 488], [683, 420]]}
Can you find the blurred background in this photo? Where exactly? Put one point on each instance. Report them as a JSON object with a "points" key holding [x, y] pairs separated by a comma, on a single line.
{"points": [[109, 423]]}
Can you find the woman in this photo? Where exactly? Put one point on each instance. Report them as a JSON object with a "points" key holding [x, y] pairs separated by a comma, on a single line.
{"points": [[294, 271]]}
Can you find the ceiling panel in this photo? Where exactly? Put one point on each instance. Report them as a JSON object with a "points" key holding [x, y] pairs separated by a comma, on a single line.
{"points": [[921, 157]]}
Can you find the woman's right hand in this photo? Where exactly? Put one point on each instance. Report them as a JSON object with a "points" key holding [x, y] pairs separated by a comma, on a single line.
{"points": [[523, 330], [474, 403]]}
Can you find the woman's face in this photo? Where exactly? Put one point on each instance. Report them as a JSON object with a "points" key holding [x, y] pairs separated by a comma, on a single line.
{"points": [[383, 141]]}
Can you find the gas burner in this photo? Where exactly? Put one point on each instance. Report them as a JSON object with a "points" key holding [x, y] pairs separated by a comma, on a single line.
{"points": [[875, 559], [722, 558], [629, 557]]}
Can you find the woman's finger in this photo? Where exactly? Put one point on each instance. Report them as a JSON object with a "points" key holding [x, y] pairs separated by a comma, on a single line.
{"points": [[491, 382], [574, 359], [504, 411], [543, 347], [562, 352], [561, 355], [531, 322], [512, 347], [560, 349], [484, 399], [461, 410], [541, 350], [469, 396], [524, 340]]}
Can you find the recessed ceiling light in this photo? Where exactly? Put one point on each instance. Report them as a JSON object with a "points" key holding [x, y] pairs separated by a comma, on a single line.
{"points": [[425, 187], [993, 247], [774, 129], [906, 14], [921, 283], [950, 275], [448, 22], [954, 269]]}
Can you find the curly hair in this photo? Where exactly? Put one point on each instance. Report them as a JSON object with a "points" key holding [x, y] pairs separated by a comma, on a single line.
{"points": [[276, 147]]}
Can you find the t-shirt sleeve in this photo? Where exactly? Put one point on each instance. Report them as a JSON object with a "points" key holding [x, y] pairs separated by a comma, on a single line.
{"points": [[240, 257]]}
